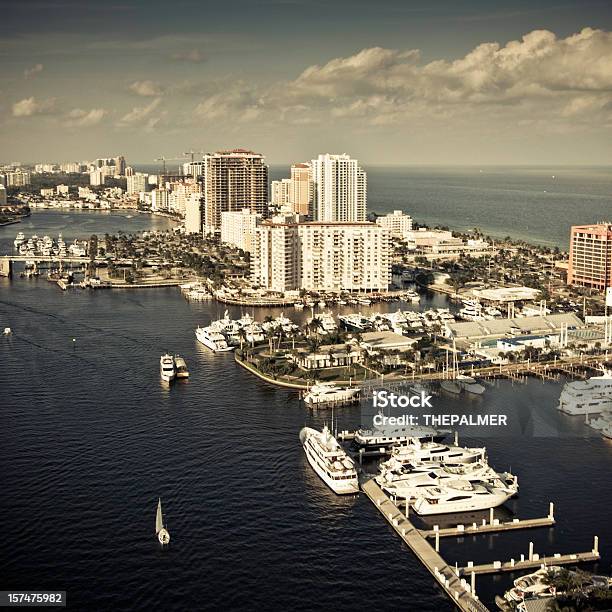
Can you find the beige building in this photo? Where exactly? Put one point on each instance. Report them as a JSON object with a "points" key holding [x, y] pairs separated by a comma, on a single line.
{"points": [[301, 189], [339, 189], [193, 214], [233, 180], [590, 259], [238, 228], [397, 223], [321, 256], [281, 192]]}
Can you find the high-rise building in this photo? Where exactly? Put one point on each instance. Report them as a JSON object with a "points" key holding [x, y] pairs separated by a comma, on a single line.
{"points": [[301, 189], [2, 195], [137, 182], [160, 199], [238, 228], [397, 223], [194, 169], [280, 192], [119, 163], [339, 189], [321, 256], [193, 214], [590, 258], [233, 180], [97, 178], [19, 178]]}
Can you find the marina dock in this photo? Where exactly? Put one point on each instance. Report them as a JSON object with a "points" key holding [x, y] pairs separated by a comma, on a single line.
{"points": [[458, 589]]}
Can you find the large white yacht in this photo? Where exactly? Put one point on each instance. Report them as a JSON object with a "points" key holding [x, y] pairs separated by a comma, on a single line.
{"points": [[167, 368], [386, 436], [471, 385], [213, 339], [327, 393], [418, 452], [329, 460], [462, 496], [471, 311], [591, 396], [19, 239], [409, 481]]}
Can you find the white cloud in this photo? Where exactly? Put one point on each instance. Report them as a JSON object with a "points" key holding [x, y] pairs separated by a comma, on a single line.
{"points": [[539, 76], [34, 70], [78, 117], [146, 88], [193, 55], [31, 106], [142, 114]]}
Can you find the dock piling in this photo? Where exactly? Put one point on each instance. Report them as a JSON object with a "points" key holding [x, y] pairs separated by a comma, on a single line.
{"points": [[531, 551]]}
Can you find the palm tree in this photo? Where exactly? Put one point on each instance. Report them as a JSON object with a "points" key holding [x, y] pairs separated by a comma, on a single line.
{"points": [[270, 336]]}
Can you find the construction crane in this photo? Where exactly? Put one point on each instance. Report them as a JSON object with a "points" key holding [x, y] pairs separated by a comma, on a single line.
{"points": [[165, 159]]}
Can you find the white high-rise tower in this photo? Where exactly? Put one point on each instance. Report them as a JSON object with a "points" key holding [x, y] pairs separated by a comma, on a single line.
{"points": [[340, 189]]}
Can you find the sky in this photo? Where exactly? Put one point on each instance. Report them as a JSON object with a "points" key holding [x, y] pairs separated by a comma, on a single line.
{"points": [[461, 82]]}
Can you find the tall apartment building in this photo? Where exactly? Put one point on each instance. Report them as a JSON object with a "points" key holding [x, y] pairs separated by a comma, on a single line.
{"points": [[590, 258], [160, 199], [137, 182], [2, 195], [238, 228], [397, 223], [18, 178], [339, 189], [233, 180], [321, 256], [301, 189], [193, 214], [281, 192], [97, 178]]}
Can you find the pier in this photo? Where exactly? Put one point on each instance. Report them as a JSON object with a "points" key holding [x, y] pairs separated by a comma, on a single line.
{"points": [[458, 589], [459, 582]]}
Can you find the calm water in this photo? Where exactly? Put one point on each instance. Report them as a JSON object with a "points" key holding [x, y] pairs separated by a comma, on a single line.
{"points": [[91, 438], [537, 204]]}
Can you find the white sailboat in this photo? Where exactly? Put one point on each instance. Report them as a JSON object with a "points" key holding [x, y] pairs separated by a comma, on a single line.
{"points": [[162, 533]]}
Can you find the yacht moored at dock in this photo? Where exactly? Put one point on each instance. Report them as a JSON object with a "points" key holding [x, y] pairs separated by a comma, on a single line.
{"points": [[329, 460], [212, 339], [592, 396], [329, 393]]}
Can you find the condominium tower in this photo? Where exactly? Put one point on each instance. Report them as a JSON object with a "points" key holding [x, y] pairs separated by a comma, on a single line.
{"points": [[233, 180], [339, 189], [590, 259]]}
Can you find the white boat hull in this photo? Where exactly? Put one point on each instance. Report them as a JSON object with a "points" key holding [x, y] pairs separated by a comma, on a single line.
{"points": [[478, 502]]}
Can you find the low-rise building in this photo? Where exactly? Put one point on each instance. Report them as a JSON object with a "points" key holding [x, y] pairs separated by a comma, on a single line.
{"points": [[398, 224]]}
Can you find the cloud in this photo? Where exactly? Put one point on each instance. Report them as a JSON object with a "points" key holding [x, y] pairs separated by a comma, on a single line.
{"points": [[78, 117], [194, 56], [540, 76], [142, 115], [34, 70], [146, 88], [29, 107]]}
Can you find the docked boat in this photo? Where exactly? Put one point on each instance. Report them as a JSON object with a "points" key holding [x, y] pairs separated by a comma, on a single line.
{"points": [[7, 331], [389, 436], [584, 397], [355, 322], [212, 339], [163, 535], [462, 496], [329, 393], [329, 460], [167, 368], [451, 386], [470, 384], [471, 311], [433, 452], [19, 240], [181, 367], [408, 481]]}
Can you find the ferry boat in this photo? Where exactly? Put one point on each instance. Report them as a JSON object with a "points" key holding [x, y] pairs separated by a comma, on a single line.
{"points": [[212, 339], [19, 239], [181, 367], [328, 393], [462, 496], [167, 368], [583, 397], [329, 460]]}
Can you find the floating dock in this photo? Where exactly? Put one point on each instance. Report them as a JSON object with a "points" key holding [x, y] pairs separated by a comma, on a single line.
{"points": [[458, 589]]}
